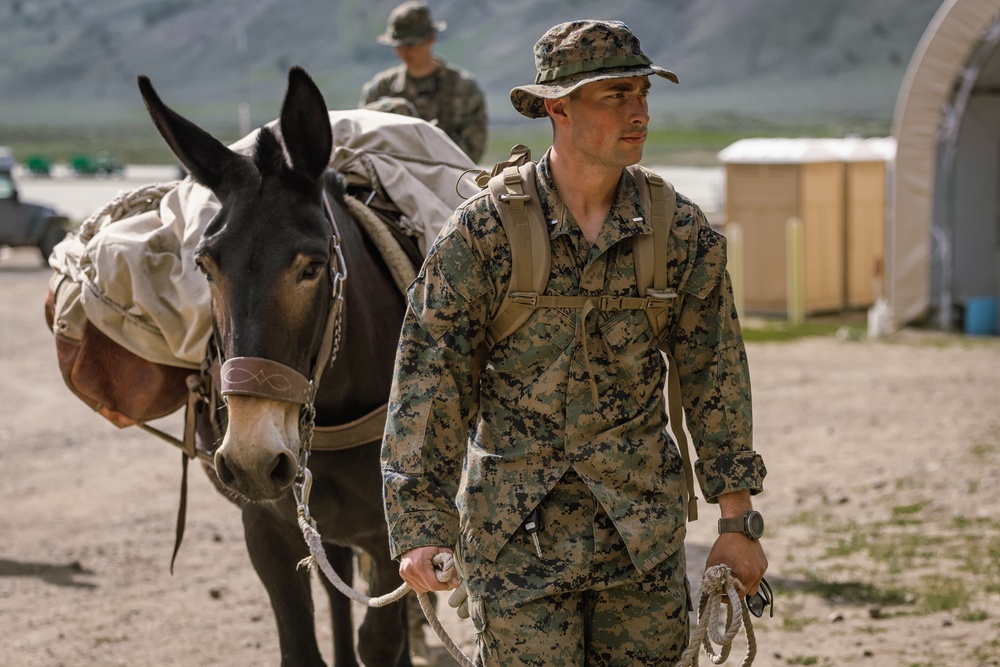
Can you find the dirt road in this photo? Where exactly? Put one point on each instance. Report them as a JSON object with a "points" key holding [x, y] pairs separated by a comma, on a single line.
{"points": [[881, 501]]}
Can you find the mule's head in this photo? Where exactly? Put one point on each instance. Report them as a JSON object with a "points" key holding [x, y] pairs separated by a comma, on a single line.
{"points": [[266, 256]]}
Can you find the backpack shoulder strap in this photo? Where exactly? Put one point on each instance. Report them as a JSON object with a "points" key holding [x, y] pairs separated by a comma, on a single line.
{"points": [[650, 251], [515, 195], [659, 201]]}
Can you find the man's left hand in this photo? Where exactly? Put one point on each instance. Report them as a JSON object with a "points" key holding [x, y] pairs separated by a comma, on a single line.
{"points": [[745, 558]]}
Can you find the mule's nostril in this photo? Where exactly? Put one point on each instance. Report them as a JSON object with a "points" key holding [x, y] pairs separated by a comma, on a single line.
{"points": [[284, 470], [223, 471]]}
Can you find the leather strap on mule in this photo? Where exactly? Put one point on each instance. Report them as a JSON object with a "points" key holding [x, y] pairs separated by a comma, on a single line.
{"points": [[358, 432], [256, 376]]}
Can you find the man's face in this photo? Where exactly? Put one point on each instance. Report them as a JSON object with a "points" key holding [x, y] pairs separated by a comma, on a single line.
{"points": [[416, 56], [608, 120]]}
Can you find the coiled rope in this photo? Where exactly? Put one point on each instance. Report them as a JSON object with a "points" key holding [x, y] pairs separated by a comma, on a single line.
{"points": [[718, 581]]}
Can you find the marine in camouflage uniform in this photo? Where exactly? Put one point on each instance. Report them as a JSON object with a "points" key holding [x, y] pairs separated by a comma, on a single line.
{"points": [[605, 582], [445, 94]]}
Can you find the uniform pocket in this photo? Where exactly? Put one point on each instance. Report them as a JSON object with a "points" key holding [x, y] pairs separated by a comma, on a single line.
{"points": [[629, 338]]}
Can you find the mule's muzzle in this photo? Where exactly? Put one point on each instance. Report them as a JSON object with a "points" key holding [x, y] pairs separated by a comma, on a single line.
{"points": [[268, 473], [279, 478]]}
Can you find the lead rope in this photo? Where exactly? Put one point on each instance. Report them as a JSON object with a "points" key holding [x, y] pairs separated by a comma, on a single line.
{"points": [[716, 582], [444, 567], [444, 564]]}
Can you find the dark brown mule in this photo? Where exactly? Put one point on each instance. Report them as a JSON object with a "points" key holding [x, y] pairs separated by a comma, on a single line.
{"points": [[267, 257]]}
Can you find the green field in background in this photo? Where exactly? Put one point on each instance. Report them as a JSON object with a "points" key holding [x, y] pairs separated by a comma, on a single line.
{"points": [[671, 141]]}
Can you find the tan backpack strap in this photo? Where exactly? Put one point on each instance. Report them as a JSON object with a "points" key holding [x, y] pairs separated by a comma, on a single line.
{"points": [[515, 195], [643, 248], [658, 203], [675, 420], [650, 250], [519, 154], [650, 254]]}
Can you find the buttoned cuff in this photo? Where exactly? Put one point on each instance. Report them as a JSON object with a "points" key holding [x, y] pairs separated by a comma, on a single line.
{"points": [[422, 529], [730, 472]]}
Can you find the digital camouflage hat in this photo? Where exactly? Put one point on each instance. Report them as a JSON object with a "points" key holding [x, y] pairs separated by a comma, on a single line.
{"points": [[572, 54], [410, 24], [398, 105]]}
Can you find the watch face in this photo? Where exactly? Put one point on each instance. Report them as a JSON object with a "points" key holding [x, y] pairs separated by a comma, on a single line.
{"points": [[755, 524]]}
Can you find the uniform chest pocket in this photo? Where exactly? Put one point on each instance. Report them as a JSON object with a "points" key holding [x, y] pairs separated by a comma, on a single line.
{"points": [[542, 342], [629, 339]]}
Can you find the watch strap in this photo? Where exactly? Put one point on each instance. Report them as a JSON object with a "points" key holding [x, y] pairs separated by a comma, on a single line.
{"points": [[735, 524]]}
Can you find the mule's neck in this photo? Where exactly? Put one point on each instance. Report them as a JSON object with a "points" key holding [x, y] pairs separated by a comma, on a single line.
{"points": [[358, 381]]}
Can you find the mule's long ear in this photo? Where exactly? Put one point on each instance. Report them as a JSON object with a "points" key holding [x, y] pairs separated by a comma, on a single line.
{"points": [[208, 160], [305, 125]]}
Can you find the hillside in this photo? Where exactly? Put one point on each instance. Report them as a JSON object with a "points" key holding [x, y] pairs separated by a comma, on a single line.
{"points": [[73, 63]]}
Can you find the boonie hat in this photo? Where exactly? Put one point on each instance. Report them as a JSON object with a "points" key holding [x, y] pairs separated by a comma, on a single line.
{"points": [[400, 105], [575, 53], [410, 24]]}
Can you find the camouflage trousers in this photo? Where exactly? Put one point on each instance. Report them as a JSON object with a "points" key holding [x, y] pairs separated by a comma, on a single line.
{"points": [[582, 602]]}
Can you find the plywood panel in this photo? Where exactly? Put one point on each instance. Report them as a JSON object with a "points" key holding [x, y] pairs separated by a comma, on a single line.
{"points": [[865, 250], [761, 198], [823, 225]]}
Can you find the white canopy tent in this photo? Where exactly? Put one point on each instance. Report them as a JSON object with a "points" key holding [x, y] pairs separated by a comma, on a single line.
{"points": [[943, 243]]}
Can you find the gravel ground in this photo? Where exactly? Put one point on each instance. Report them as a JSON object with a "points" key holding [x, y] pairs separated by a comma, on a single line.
{"points": [[881, 498]]}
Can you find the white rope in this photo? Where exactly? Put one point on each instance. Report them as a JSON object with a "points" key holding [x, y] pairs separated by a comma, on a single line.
{"points": [[444, 566], [126, 203], [716, 582]]}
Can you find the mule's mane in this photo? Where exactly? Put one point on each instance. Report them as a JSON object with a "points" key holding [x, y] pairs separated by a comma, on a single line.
{"points": [[336, 185], [270, 159]]}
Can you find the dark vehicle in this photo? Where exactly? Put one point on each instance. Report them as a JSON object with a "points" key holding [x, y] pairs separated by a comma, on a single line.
{"points": [[26, 224], [38, 165], [102, 163]]}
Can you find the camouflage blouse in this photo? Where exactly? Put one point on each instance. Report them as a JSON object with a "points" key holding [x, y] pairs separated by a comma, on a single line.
{"points": [[453, 465], [449, 97]]}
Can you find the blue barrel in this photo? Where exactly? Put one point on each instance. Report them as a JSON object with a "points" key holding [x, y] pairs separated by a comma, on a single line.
{"points": [[981, 316]]}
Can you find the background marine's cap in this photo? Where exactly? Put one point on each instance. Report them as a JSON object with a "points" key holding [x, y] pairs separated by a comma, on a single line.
{"points": [[572, 54], [400, 105], [410, 24]]}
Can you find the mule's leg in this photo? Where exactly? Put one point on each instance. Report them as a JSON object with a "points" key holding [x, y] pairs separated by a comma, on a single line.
{"points": [[382, 635], [276, 546], [342, 560]]}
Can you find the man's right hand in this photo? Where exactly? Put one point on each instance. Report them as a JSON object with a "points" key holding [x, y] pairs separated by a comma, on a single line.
{"points": [[416, 567]]}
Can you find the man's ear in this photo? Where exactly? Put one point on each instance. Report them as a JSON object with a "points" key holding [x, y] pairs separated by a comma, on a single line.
{"points": [[557, 108]]}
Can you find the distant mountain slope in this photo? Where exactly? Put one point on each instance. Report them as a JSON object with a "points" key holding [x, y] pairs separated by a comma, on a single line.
{"points": [[76, 61]]}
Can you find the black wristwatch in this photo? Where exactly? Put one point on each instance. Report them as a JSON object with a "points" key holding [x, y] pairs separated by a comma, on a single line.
{"points": [[750, 524]]}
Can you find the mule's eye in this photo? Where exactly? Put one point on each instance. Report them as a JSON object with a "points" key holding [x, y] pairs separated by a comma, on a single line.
{"points": [[312, 271], [198, 262]]}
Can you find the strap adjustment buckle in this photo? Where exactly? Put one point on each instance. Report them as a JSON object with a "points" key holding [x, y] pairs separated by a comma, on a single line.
{"points": [[529, 299], [606, 303], [661, 294]]}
